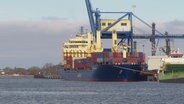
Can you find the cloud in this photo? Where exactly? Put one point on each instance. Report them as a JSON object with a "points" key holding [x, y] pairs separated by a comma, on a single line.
{"points": [[29, 43], [173, 27], [53, 18], [34, 27]]}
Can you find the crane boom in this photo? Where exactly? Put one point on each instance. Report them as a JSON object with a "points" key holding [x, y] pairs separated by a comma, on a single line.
{"points": [[90, 15]]}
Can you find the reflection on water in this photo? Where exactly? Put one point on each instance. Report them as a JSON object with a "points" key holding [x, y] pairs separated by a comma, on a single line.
{"points": [[26, 90]]}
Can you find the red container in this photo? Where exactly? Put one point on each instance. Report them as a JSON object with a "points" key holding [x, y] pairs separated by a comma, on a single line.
{"points": [[136, 54], [111, 55], [78, 66], [108, 60], [81, 66], [128, 54], [93, 55], [131, 60], [142, 59], [117, 55], [106, 55], [117, 61], [67, 57], [93, 59], [69, 61], [67, 66]]}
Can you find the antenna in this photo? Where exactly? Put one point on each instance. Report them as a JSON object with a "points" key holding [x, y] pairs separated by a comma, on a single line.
{"points": [[81, 30]]}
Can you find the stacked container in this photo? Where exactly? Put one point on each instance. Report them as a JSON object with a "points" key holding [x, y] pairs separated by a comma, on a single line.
{"points": [[99, 57], [68, 62], [136, 54], [142, 56], [108, 56], [117, 58], [82, 64]]}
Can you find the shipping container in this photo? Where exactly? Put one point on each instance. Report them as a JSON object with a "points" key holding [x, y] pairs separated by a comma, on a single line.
{"points": [[124, 60], [132, 60], [67, 57], [94, 60], [108, 60], [117, 61], [94, 55], [107, 55], [117, 55], [99, 59], [99, 55], [136, 54], [128, 54], [67, 66], [142, 59], [107, 50], [110, 55], [141, 54], [81, 66]]}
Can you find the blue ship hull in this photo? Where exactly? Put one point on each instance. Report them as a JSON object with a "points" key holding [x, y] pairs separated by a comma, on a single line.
{"points": [[106, 73]]}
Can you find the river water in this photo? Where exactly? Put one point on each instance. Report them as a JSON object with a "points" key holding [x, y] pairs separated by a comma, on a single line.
{"points": [[27, 90]]}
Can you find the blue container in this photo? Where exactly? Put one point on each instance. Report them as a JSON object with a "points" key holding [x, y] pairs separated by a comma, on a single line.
{"points": [[107, 50], [108, 60], [141, 54], [99, 59], [99, 55], [77, 61]]}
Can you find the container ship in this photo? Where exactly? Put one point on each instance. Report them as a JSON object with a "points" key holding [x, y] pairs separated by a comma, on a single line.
{"points": [[172, 68], [84, 58]]}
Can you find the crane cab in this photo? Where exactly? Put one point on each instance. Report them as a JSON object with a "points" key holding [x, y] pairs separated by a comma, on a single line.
{"points": [[123, 25]]}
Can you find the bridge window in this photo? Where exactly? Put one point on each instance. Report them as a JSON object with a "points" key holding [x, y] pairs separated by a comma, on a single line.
{"points": [[115, 41], [73, 46], [103, 24], [65, 46], [123, 24], [109, 24], [78, 42]]}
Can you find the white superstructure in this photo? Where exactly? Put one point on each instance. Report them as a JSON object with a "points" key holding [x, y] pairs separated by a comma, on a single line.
{"points": [[158, 62], [174, 59], [79, 46]]}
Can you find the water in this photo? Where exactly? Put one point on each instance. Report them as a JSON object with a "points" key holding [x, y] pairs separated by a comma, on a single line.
{"points": [[19, 90]]}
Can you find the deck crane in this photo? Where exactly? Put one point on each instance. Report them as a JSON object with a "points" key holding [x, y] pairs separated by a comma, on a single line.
{"points": [[95, 24]]}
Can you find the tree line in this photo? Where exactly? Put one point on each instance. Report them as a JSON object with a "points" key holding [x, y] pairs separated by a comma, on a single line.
{"points": [[47, 69]]}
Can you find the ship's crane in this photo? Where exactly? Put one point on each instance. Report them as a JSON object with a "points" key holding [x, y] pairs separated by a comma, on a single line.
{"points": [[95, 24], [167, 49]]}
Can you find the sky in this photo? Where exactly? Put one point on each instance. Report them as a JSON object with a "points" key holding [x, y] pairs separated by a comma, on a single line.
{"points": [[32, 31]]}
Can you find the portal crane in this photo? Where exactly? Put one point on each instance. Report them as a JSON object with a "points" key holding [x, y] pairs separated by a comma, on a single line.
{"points": [[95, 24]]}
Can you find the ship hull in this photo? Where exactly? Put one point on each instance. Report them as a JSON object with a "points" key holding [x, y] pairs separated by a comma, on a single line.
{"points": [[174, 74], [173, 80], [106, 73]]}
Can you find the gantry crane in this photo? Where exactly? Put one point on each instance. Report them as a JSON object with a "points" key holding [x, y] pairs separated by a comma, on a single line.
{"points": [[95, 24]]}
